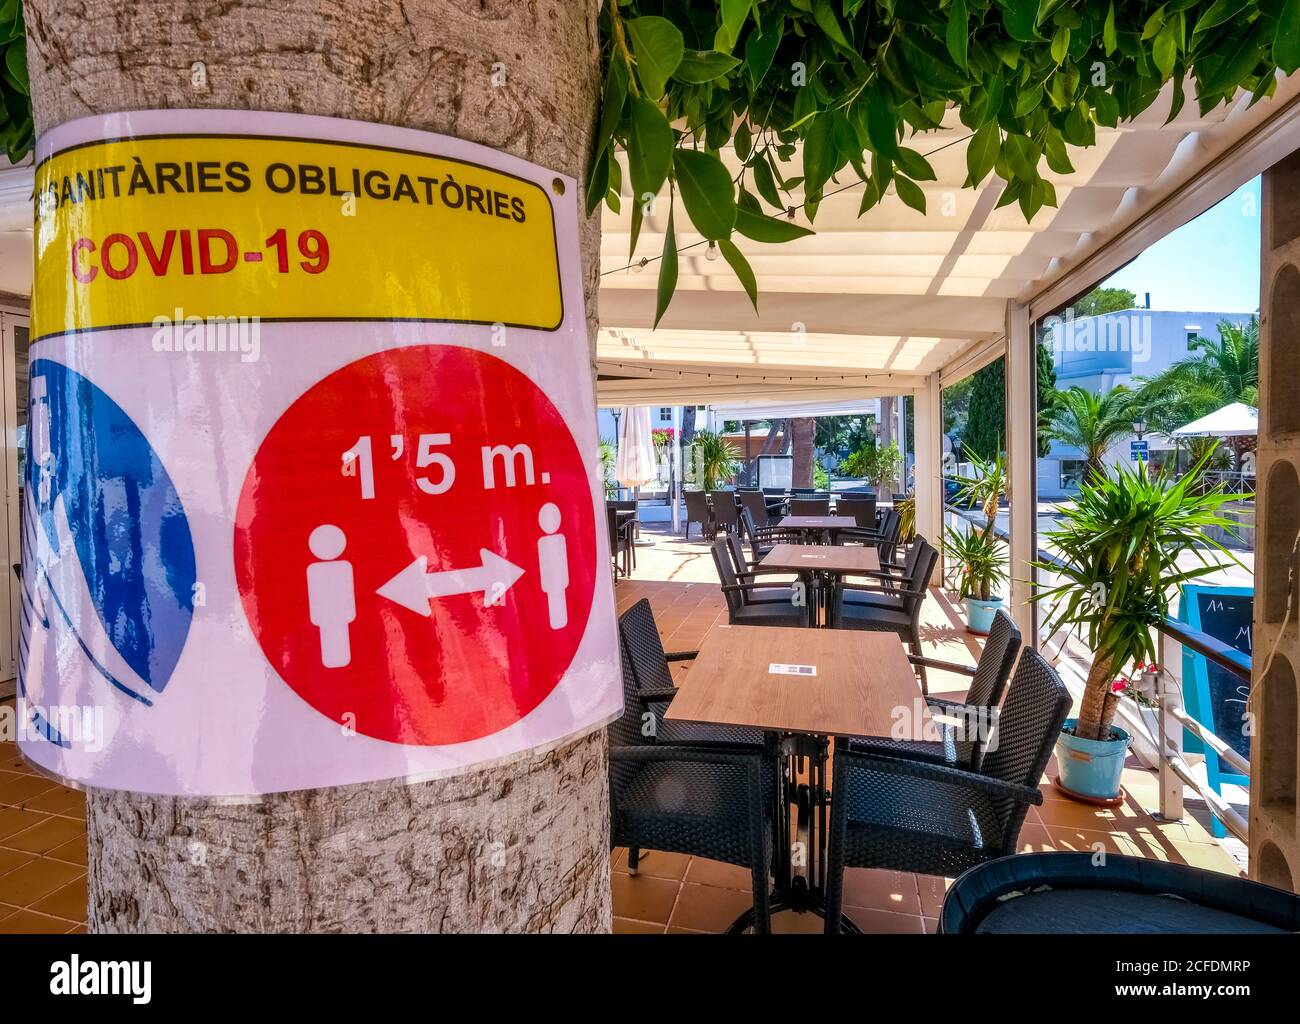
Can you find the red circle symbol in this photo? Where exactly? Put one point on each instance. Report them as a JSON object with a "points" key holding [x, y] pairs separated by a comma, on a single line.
{"points": [[415, 545]]}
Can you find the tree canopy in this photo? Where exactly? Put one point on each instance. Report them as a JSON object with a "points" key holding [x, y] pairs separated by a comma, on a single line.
{"points": [[1104, 300], [845, 83]]}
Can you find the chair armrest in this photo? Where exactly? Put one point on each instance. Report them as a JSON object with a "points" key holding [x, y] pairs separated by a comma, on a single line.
{"points": [[657, 694], [940, 773], [900, 592], [744, 588], [944, 666], [674, 752]]}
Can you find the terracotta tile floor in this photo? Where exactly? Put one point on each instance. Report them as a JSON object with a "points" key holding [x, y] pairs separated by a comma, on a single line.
{"points": [[43, 831]]}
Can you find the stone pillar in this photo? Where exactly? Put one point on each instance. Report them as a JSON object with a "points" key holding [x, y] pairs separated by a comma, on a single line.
{"points": [[1274, 848]]}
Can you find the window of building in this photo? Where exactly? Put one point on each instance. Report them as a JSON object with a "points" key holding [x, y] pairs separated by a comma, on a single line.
{"points": [[665, 414], [1072, 471]]}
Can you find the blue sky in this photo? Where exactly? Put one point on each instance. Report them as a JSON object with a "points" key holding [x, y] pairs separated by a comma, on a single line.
{"points": [[1211, 263]]}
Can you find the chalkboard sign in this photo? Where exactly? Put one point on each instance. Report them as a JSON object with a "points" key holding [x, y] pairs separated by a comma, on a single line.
{"points": [[1213, 696]]}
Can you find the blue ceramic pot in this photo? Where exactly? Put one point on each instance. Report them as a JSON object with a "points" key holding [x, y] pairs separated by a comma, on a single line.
{"points": [[979, 614], [1092, 768]]}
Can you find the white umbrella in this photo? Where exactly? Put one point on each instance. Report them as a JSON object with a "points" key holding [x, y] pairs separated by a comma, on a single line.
{"points": [[1235, 420], [636, 449]]}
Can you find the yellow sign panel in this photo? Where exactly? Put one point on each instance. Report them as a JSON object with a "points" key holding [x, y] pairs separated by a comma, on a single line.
{"points": [[287, 229]]}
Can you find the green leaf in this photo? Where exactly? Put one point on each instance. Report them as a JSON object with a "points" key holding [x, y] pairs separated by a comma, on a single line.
{"points": [[910, 193], [707, 192], [1061, 44], [597, 181], [913, 164], [760, 48], [611, 105], [1164, 51], [768, 229], [1021, 156], [982, 153], [765, 182], [829, 23], [1058, 158], [1020, 18], [930, 63], [820, 157], [1109, 39], [1218, 12], [650, 145], [744, 273], [1234, 62], [882, 128], [667, 271], [734, 13], [16, 65], [1286, 41], [658, 48], [742, 141], [958, 38], [700, 66]]}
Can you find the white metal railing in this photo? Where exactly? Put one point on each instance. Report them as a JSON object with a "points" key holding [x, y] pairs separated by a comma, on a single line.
{"points": [[1173, 718]]}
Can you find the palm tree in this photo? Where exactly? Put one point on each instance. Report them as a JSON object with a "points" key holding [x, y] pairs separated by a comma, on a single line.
{"points": [[1216, 374], [1089, 422]]}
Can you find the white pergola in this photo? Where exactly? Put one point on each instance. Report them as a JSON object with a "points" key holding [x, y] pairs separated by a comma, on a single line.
{"points": [[900, 303]]}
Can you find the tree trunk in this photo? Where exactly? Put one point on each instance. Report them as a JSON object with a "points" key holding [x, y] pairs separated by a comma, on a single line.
{"points": [[1092, 707], [802, 432], [520, 847]]}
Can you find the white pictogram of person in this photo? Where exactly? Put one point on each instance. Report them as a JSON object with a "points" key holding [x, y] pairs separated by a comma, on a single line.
{"points": [[331, 595], [553, 564]]}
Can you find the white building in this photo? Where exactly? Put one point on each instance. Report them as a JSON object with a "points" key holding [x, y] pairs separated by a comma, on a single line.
{"points": [[1097, 353]]}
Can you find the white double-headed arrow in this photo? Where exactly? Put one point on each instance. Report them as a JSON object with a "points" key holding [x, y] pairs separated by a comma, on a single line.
{"points": [[415, 587]]}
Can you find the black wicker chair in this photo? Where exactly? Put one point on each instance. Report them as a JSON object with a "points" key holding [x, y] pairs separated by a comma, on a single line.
{"points": [[763, 538], [698, 511], [621, 546], [743, 609], [768, 590], [861, 606], [726, 510], [644, 651], [906, 815], [961, 745], [755, 504], [863, 511], [703, 801], [810, 506]]}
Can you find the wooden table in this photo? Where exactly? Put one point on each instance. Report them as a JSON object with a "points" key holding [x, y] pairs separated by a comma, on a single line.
{"points": [[818, 565], [832, 558], [817, 522], [803, 686]]}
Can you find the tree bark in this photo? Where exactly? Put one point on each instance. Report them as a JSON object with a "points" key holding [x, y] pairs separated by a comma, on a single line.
{"points": [[519, 847], [802, 432], [1092, 707]]}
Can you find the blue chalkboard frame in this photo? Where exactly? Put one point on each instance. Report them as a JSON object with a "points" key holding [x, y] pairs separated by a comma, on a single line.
{"points": [[1196, 691]]}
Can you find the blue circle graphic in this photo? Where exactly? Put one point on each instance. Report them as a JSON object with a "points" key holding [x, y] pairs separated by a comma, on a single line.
{"points": [[128, 525]]}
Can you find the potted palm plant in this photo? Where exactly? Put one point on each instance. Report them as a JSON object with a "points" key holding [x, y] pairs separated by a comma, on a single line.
{"points": [[976, 552], [714, 460], [979, 560], [608, 460], [1112, 580]]}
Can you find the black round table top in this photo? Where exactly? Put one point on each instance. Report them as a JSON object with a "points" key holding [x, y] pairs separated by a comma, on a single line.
{"points": [[1070, 893]]}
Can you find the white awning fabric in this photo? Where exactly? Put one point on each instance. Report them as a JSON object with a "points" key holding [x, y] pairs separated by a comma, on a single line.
{"points": [[1235, 420], [871, 306]]}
